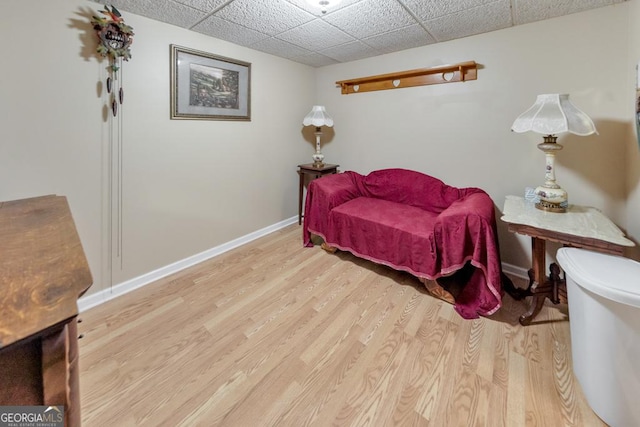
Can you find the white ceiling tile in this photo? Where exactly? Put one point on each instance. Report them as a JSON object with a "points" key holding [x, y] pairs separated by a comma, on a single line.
{"points": [[303, 4], [482, 19], [401, 39], [426, 10], [370, 17], [537, 10], [267, 16], [354, 29], [229, 31], [314, 60], [203, 5], [350, 52], [133, 6], [161, 10], [315, 35], [279, 48]]}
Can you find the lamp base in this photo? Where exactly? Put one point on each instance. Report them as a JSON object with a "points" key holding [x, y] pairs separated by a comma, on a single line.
{"points": [[551, 207], [552, 197], [318, 159]]}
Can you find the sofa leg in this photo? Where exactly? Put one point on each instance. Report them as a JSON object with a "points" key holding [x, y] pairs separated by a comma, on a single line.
{"points": [[328, 248], [437, 291]]}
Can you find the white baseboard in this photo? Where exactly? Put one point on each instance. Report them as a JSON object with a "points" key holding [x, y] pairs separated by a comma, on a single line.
{"points": [[515, 270], [93, 300]]}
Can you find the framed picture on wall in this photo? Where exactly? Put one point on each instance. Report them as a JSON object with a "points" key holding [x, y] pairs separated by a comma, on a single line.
{"points": [[209, 87]]}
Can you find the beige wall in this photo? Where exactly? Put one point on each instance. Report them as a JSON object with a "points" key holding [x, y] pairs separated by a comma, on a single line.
{"points": [[187, 185], [460, 132], [633, 143]]}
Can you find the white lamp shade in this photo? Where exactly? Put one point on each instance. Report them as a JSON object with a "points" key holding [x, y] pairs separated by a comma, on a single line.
{"points": [[552, 114], [318, 117]]}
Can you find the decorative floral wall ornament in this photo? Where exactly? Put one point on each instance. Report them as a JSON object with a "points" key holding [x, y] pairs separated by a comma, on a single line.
{"points": [[115, 43]]}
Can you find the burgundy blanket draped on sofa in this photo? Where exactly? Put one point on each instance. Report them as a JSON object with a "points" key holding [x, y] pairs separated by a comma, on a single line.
{"points": [[412, 222]]}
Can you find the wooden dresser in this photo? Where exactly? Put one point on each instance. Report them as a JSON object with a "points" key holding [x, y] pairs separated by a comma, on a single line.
{"points": [[43, 272]]}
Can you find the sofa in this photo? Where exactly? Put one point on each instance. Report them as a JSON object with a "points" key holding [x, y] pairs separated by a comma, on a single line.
{"points": [[416, 223]]}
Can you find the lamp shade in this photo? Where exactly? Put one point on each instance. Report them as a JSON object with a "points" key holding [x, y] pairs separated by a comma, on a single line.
{"points": [[552, 114], [318, 117]]}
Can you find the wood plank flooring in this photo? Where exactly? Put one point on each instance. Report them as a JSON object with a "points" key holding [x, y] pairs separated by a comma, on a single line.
{"points": [[274, 334]]}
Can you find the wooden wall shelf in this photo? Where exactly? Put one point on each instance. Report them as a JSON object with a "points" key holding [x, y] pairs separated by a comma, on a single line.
{"points": [[424, 76]]}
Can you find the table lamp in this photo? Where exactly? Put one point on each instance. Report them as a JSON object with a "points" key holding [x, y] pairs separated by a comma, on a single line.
{"points": [[552, 114], [318, 117]]}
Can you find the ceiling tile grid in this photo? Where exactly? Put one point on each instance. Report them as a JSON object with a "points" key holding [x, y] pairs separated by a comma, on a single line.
{"points": [[370, 17], [316, 35], [352, 30], [354, 50], [481, 19], [400, 39], [537, 10], [426, 10], [280, 48], [203, 5], [315, 10], [168, 11], [267, 16], [315, 60], [229, 31]]}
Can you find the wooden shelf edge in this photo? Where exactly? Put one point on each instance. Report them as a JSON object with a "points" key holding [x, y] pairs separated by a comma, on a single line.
{"points": [[452, 73]]}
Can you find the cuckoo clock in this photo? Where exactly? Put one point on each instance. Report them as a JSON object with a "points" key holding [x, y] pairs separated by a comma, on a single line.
{"points": [[115, 38]]}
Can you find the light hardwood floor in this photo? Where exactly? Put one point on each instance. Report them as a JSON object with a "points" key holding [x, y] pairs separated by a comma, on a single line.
{"points": [[274, 334]]}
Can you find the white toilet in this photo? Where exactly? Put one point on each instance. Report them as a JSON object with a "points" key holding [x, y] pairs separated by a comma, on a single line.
{"points": [[604, 317]]}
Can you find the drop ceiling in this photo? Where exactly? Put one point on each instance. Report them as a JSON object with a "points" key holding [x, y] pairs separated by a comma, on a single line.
{"points": [[352, 30]]}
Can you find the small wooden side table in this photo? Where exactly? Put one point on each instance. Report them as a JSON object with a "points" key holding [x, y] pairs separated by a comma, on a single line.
{"points": [[44, 272], [581, 227], [314, 172]]}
